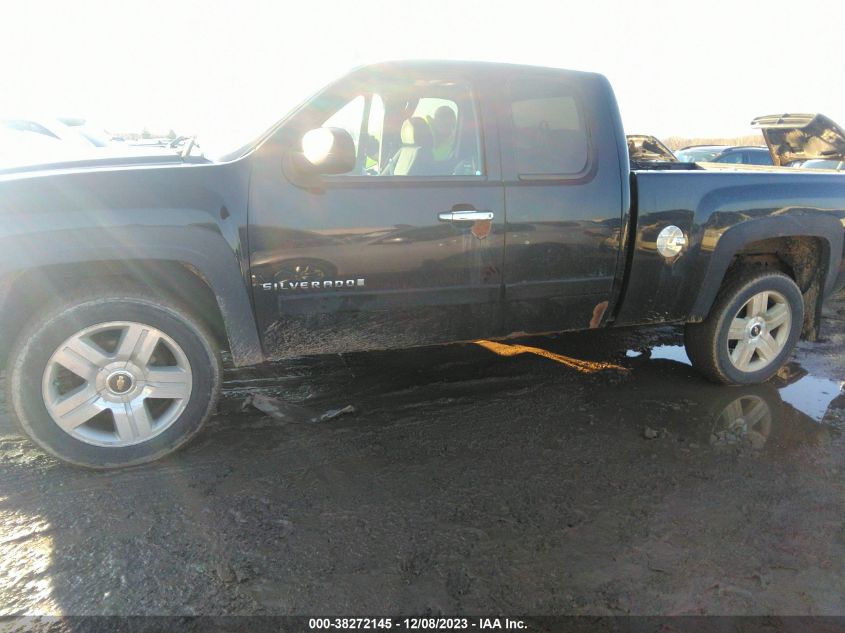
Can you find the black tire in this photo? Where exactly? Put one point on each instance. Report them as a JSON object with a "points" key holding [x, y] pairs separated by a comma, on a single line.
{"points": [[35, 346], [707, 342]]}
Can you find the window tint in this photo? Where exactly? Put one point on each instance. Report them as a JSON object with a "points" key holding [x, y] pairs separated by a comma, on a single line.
{"points": [[550, 133], [758, 158], [730, 157], [413, 128]]}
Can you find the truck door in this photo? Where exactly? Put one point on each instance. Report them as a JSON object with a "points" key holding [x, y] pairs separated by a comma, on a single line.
{"points": [[406, 248], [563, 200]]}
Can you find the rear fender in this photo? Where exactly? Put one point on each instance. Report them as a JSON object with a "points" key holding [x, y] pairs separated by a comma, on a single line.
{"points": [[793, 223]]}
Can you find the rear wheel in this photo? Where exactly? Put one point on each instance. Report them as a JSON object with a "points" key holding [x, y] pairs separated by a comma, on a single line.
{"points": [[113, 380], [751, 331]]}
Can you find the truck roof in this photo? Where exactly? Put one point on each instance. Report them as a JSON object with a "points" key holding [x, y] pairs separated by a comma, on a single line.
{"points": [[460, 66]]}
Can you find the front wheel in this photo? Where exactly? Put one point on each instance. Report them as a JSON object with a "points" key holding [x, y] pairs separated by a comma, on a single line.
{"points": [[751, 331], [113, 379]]}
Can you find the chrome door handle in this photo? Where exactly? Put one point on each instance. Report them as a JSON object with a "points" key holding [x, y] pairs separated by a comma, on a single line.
{"points": [[465, 216]]}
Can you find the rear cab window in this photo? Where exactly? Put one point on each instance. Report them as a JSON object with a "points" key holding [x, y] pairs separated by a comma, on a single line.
{"points": [[549, 128]]}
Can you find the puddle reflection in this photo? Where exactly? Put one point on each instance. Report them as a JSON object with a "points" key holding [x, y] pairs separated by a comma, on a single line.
{"points": [[783, 413], [656, 388], [811, 395]]}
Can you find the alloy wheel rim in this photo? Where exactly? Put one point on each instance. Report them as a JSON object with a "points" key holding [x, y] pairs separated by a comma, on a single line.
{"points": [[759, 331], [117, 384]]}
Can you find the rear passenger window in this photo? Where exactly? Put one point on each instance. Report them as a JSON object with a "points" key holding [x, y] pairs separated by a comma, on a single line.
{"points": [[550, 133]]}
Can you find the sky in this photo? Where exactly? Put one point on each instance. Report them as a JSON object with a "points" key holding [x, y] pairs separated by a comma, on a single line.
{"points": [[231, 69]]}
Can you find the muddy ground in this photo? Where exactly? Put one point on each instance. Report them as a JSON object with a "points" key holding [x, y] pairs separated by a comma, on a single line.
{"points": [[465, 483]]}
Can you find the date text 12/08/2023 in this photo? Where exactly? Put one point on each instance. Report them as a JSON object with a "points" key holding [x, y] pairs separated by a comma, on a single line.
{"points": [[416, 624]]}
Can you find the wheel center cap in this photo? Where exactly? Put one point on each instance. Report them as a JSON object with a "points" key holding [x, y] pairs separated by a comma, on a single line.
{"points": [[120, 382], [755, 328]]}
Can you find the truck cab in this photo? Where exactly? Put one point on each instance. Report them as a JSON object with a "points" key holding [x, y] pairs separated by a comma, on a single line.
{"points": [[462, 186]]}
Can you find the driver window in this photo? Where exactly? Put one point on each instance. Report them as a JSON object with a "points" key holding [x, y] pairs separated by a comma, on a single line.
{"points": [[413, 128], [349, 118]]}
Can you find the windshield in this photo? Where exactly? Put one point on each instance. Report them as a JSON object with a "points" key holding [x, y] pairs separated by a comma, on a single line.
{"points": [[229, 143], [239, 136], [698, 154]]}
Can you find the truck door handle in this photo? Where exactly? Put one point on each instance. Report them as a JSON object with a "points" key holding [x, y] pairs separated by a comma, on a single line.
{"points": [[465, 216]]}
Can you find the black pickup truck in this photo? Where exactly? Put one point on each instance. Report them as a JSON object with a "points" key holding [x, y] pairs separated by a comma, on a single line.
{"points": [[408, 203]]}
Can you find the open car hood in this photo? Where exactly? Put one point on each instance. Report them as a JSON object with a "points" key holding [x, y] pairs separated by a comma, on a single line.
{"points": [[644, 148], [799, 137]]}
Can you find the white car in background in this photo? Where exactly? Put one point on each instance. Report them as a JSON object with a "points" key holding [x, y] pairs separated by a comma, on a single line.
{"points": [[22, 148], [33, 140], [54, 128], [28, 140]]}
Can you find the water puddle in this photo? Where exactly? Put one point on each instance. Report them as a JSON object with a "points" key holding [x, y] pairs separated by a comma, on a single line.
{"points": [[811, 395], [655, 388], [668, 352]]}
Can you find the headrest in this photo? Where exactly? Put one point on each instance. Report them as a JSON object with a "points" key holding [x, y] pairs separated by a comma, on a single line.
{"points": [[415, 131], [445, 114]]}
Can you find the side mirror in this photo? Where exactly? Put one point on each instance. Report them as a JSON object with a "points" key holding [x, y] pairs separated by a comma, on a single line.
{"points": [[327, 150]]}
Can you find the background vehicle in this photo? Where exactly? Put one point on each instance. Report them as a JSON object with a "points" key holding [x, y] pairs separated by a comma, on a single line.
{"points": [[98, 137], [150, 142], [29, 141], [745, 155], [810, 141], [17, 148], [645, 148], [406, 204], [820, 163], [73, 132]]}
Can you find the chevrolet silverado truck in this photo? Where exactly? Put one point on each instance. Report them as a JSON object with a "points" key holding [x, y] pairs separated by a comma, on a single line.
{"points": [[406, 204]]}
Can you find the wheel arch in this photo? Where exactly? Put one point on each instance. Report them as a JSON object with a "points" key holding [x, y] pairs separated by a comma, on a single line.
{"points": [[191, 266], [807, 247]]}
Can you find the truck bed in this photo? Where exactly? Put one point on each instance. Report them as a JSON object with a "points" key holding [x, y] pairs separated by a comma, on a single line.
{"points": [[716, 206]]}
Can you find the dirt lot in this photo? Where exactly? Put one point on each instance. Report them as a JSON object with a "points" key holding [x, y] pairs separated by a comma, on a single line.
{"points": [[466, 482]]}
